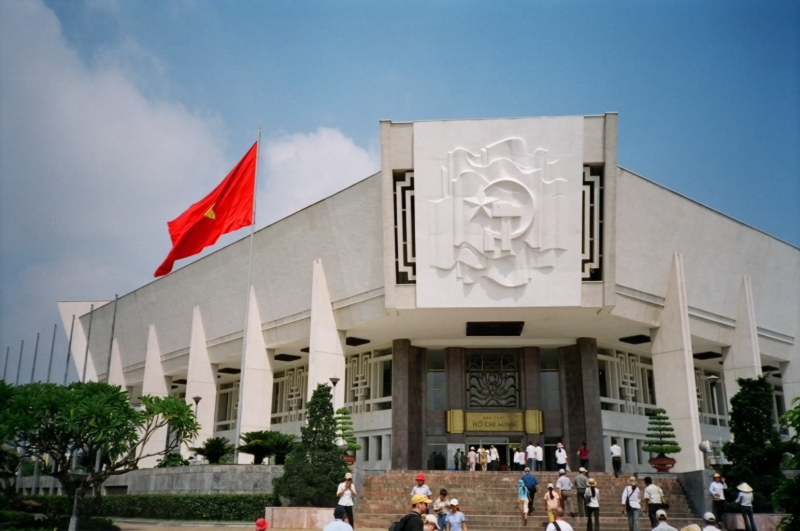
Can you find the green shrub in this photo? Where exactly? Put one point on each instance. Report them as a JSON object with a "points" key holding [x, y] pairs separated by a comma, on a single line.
{"points": [[220, 507], [88, 523], [17, 519]]}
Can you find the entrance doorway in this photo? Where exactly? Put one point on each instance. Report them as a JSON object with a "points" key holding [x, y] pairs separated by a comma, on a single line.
{"points": [[505, 447]]}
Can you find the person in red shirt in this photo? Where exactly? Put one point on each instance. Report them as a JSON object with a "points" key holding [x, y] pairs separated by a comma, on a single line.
{"points": [[583, 454]]}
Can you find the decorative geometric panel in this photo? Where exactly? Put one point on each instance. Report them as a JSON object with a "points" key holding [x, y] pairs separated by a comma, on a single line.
{"points": [[365, 386], [492, 381], [296, 382], [592, 248], [405, 252], [628, 377]]}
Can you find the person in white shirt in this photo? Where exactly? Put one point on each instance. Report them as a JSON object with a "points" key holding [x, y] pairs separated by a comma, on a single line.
{"points": [[346, 493], [561, 457], [530, 452], [441, 507], [745, 501], [631, 504], [494, 458], [661, 516], [562, 524], [539, 456], [519, 459], [421, 487], [616, 457], [709, 522], [472, 456], [653, 499], [717, 491], [592, 499]]}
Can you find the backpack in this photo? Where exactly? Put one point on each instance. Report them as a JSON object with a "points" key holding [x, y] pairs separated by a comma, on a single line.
{"points": [[400, 524]]}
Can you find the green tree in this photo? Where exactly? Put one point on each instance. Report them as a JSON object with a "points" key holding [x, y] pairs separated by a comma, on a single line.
{"points": [[344, 429], [78, 422], [787, 496], [315, 467], [214, 449], [660, 434], [757, 449], [266, 443], [173, 460]]}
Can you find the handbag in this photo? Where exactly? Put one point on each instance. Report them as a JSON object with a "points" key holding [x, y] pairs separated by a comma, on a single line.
{"points": [[664, 504]]}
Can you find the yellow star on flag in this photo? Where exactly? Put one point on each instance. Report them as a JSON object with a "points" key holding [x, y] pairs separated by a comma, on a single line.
{"points": [[210, 214]]}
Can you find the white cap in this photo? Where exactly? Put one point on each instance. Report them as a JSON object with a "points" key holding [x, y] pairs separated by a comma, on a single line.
{"points": [[561, 471], [661, 513], [454, 502], [431, 519], [709, 517]]}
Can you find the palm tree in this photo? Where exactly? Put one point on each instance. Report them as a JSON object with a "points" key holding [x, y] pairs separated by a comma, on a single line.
{"points": [[281, 444], [257, 444], [214, 449]]}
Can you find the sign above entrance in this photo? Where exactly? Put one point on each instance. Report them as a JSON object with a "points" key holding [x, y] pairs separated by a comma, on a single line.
{"points": [[529, 421]]}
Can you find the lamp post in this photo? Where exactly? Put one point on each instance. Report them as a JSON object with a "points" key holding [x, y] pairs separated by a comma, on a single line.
{"points": [[712, 380], [78, 476], [197, 400]]}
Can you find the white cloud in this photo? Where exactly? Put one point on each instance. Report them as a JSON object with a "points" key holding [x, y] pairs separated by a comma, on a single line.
{"points": [[304, 168], [92, 167], [90, 171]]}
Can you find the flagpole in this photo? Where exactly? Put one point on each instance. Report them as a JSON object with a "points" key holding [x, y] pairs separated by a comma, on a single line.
{"points": [[88, 339], [35, 354], [52, 348], [5, 365], [111, 341], [69, 350], [246, 308]]}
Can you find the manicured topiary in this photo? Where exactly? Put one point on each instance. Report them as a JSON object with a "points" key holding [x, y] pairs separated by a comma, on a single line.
{"points": [[344, 430], [660, 435]]}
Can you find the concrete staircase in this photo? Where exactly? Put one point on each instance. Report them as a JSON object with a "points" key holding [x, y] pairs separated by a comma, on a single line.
{"points": [[488, 500]]}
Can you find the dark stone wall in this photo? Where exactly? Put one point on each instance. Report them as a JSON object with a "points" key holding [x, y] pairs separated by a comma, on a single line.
{"points": [[456, 385], [408, 405], [582, 413], [531, 384]]}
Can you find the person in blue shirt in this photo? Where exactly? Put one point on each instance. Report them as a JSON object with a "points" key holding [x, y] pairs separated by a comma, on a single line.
{"points": [[531, 483], [523, 499]]}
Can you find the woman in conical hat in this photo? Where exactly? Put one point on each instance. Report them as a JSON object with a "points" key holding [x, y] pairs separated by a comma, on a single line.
{"points": [[745, 501]]}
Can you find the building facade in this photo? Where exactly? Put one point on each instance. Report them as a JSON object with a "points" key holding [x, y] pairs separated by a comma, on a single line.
{"points": [[497, 282]]}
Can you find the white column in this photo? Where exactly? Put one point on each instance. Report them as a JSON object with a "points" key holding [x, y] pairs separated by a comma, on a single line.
{"points": [[116, 376], [78, 309], [673, 366], [743, 359], [790, 371], [256, 379], [154, 384], [201, 380], [326, 347]]}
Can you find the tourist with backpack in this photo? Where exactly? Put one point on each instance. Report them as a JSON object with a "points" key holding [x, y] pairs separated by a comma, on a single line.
{"points": [[522, 499], [413, 520], [558, 523], [631, 504], [591, 497]]}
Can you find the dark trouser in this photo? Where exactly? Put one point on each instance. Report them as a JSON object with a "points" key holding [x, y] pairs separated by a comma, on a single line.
{"points": [[581, 501], [719, 511], [747, 516], [585, 463], [531, 496], [593, 512], [651, 513], [540, 466], [616, 462], [349, 510]]}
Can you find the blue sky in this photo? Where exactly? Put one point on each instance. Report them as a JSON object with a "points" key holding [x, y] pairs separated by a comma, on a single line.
{"points": [[119, 114]]}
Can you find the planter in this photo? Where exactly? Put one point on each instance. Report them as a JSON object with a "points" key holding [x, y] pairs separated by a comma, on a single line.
{"points": [[662, 463], [298, 517], [349, 459]]}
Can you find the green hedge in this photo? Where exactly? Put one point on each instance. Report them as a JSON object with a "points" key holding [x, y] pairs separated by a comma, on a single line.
{"points": [[17, 519], [218, 507]]}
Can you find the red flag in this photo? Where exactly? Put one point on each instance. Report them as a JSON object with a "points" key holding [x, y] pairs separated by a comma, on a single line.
{"points": [[228, 208]]}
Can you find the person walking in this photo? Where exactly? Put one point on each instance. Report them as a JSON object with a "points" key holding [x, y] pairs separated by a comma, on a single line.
{"points": [[717, 490], [457, 459], [558, 523], [483, 455], [339, 524], [581, 481], [592, 499], [463, 458], [494, 459], [616, 457], [346, 493], [523, 499], [421, 487], [456, 520], [552, 501], [661, 517], [583, 454], [631, 504], [564, 486], [515, 460], [473, 458], [539, 458], [653, 500], [413, 521], [530, 452], [532, 484], [561, 457], [745, 501], [441, 507]]}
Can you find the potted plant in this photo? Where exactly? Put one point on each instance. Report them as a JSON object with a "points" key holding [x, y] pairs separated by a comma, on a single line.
{"points": [[346, 439], [661, 441]]}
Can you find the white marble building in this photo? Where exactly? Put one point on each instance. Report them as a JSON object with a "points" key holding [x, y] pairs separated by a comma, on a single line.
{"points": [[514, 251]]}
